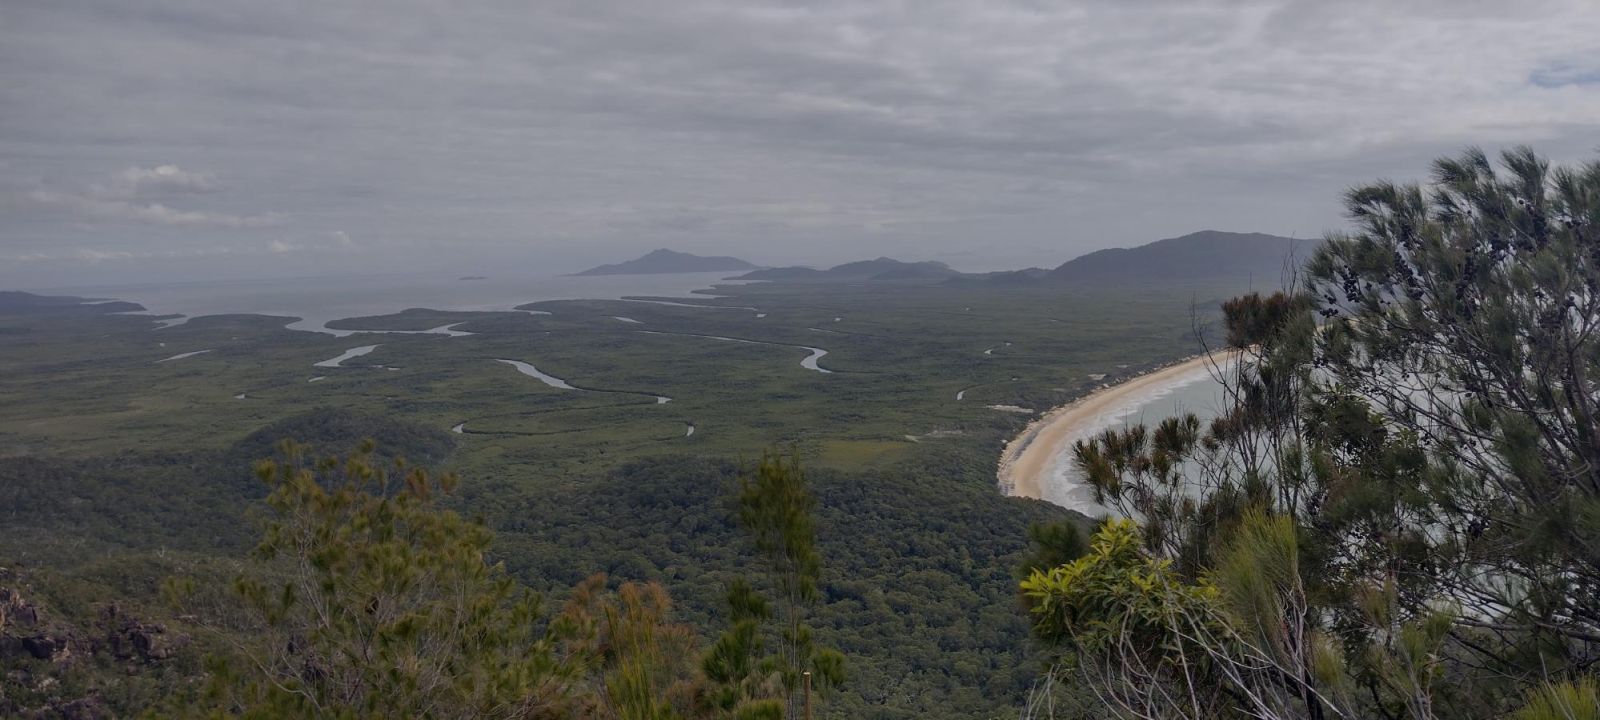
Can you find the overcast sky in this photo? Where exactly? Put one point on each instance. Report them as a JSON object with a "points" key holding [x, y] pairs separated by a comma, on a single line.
{"points": [[161, 139]]}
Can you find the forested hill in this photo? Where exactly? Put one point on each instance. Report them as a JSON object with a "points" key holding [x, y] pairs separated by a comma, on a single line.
{"points": [[664, 261], [1207, 255]]}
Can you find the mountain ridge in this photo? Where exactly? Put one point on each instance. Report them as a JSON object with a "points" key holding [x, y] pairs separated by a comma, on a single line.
{"points": [[1202, 255], [1205, 255]]}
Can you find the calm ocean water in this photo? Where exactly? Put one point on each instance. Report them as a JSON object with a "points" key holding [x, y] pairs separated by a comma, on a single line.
{"points": [[317, 301]]}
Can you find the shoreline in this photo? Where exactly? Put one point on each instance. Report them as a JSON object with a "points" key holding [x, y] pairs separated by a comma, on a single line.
{"points": [[365, 295], [1032, 453]]}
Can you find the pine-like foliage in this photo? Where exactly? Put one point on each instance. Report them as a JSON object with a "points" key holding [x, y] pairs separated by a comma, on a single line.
{"points": [[371, 602], [367, 599], [776, 506], [1398, 512]]}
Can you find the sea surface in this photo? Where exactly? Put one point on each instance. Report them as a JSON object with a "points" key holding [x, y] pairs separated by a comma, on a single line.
{"points": [[1198, 392], [318, 301]]}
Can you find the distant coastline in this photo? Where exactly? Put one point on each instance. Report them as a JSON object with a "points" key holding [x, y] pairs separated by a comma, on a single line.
{"points": [[311, 303]]}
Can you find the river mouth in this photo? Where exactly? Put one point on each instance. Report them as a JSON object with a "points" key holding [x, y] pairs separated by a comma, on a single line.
{"points": [[310, 303]]}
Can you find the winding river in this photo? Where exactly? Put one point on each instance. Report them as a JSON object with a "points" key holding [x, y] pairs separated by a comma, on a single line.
{"points": [[555, 382], [696, 305], [809, 363], [350, 354], [531, 371], [181, 356]]}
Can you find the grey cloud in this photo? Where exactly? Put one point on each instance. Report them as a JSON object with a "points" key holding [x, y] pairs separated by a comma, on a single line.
{"points": [[570, 132], [126, 196], [138, 181], [156, 213]]}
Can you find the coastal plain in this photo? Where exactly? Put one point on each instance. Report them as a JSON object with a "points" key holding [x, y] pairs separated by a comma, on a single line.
{"points": [[126, 443], [83, 380]]}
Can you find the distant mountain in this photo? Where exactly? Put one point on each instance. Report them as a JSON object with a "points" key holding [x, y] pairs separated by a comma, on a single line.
{"points": [[18, 300], [668, 261], [881, 269], [1208, 255]]}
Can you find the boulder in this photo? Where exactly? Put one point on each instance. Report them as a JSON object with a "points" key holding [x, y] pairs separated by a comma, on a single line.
{"points": [[15, 611], [127, 638]]}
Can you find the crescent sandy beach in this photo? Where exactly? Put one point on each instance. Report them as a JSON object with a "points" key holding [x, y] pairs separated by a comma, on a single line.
{"points": [[1033, 455]]}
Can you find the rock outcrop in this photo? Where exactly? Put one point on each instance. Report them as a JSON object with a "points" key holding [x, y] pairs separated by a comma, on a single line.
{"points": [[48, 662]]}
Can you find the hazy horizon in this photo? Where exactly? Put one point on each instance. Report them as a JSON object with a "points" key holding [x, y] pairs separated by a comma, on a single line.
{"points": [[185, 140], [468, 272]]}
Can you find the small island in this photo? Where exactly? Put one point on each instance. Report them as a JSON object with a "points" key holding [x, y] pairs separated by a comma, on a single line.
{"points": [[665, 261]]}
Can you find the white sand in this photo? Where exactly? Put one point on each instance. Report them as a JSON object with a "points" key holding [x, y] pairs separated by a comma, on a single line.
{"points": [[1031, 456]]}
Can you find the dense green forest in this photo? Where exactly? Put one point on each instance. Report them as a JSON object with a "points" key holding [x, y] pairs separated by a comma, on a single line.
{"points": [[905, 568]]}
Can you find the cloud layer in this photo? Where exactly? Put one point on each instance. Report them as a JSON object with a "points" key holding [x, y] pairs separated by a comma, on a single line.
{"points": [[573, 131], [128, 196]]}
